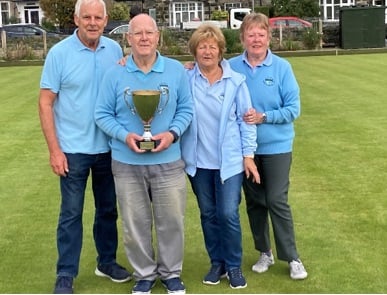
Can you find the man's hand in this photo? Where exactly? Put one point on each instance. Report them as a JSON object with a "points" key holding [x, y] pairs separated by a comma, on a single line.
{"points": [[165, 140], [58, 162], [122, 61], [131, 141], [189, 65]]}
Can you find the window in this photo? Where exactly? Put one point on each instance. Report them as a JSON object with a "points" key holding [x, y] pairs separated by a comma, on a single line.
{"points": [[185, 12], [330, 8], [5, 12], [294, 24], [228, 6], [240, 15], [280, 23]]}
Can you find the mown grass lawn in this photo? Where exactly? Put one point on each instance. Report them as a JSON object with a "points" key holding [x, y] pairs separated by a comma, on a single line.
{"points": [[338, 190]]}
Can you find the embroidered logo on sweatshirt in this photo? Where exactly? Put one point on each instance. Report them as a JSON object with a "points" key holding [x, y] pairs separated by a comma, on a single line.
{"points": [[268, 81]]}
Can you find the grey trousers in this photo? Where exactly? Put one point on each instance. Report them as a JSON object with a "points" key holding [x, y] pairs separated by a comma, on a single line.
{"points": [[270, 197], [152, 195]]}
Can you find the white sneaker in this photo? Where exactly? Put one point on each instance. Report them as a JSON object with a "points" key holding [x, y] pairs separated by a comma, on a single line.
{"points": [[297, 270], [263, 263]]}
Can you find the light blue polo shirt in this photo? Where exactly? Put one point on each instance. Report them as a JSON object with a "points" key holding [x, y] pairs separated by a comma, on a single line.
{"points": [[74, 73]]}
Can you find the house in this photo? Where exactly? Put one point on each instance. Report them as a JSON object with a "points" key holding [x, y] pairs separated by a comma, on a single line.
{"points": [[167, 12], [22, 11], [329, 10], [170, 13]]}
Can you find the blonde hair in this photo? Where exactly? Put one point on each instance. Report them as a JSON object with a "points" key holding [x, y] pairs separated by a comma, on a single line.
{"points": [[204, 32], [254, 19]]}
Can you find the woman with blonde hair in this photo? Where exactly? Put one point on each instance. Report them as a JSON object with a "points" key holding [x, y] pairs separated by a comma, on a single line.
{"points": [[218, 148], [275, 95]]}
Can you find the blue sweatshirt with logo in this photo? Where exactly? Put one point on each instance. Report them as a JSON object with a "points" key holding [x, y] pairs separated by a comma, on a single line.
{"points": [[274, 90]]}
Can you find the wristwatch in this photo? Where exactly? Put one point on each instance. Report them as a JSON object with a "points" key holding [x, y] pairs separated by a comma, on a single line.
{"points": [[264, 118], [175, 136]]}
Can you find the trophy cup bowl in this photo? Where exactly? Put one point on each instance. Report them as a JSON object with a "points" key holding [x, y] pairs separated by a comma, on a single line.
{"points": [[146, 103]]}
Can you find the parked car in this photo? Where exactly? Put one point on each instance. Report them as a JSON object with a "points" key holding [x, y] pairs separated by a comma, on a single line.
{"points": [[122, 29], [112, 24], [288, 22], [26, 30]]}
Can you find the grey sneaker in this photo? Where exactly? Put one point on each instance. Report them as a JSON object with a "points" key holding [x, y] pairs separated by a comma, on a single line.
{"points": [[297, 270], [263, 263]]}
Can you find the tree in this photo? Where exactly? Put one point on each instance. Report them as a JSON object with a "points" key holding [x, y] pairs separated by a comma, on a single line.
{"points": [[308, 8], [119, 11], [59, 12], [300, 8]]}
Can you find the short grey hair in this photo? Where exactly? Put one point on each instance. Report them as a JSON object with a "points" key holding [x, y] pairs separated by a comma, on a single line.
{"points": [[81, 2]]}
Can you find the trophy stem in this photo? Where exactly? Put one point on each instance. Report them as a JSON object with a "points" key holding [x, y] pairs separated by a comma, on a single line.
{"points": [[147, 132]]}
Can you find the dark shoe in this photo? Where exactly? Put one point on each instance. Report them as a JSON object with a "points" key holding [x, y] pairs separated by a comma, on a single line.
{"points": [[64, 285], [214, 275], [236, 278], [174, 285], [114, 271], [143, 287]]}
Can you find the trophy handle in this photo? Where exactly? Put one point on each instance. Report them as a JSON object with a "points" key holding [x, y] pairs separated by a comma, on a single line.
{"points": [[164, 92], [128, 93]]}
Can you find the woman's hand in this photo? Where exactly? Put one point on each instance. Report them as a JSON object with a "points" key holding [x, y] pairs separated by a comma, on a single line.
{"points": [[253, 117], [251, 169]]}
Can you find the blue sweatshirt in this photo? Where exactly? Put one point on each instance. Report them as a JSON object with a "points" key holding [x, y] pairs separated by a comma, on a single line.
{"points": [[234, 138], [115, 117], [275, 91]]}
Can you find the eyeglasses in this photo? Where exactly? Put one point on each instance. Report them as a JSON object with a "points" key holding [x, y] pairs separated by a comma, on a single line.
{"points": [[139, 35]]}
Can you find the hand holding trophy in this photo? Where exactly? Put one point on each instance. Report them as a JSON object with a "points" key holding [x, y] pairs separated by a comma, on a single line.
{"points": [[146, 104]]}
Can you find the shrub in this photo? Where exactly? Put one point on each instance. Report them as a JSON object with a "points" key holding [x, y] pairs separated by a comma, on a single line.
{"points": [[219, 15], [233, 44], [291, 45], [311, 38], [170, 43], [21, 51]]}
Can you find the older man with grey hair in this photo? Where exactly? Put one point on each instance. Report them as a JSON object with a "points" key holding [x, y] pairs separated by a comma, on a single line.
{"points": [[68, 89]]}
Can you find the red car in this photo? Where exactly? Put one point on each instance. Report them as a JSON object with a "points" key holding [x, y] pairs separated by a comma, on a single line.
{"points": [[288, 22]]}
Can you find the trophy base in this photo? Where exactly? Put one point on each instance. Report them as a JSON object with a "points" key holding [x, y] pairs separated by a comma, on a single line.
{"points": [[147, 145]]}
